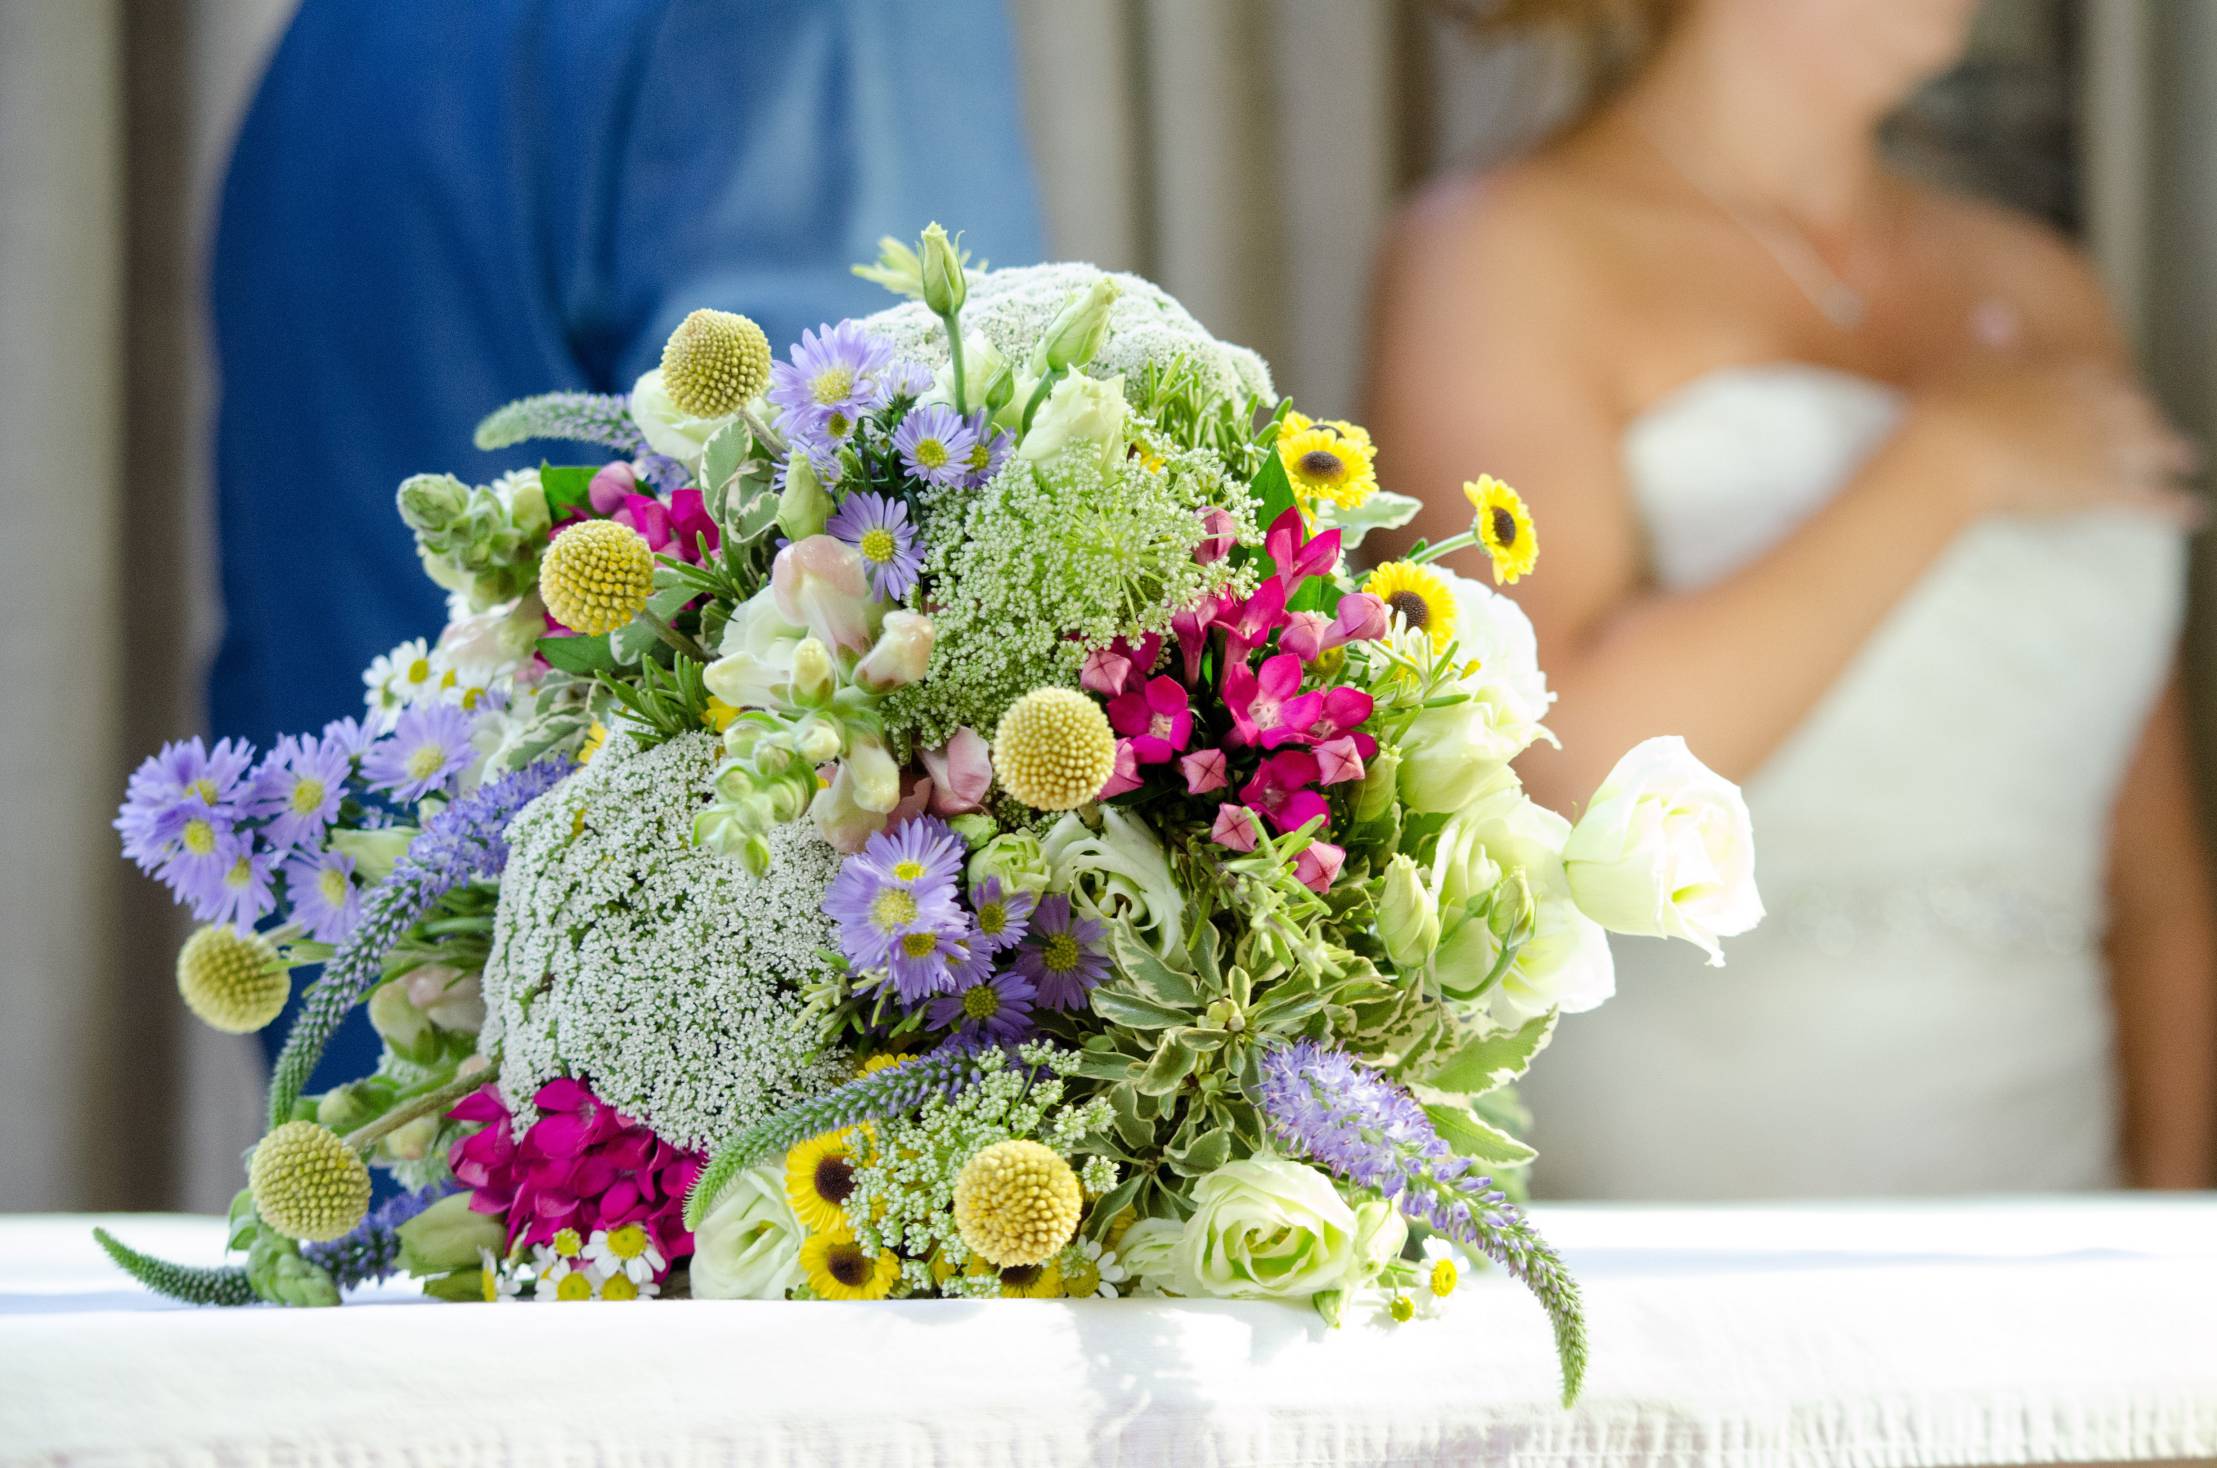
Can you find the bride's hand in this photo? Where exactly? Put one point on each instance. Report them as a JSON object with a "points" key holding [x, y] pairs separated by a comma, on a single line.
{"points": [[2057, 437]]}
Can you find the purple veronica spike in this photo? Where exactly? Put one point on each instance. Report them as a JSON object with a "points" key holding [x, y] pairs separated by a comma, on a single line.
{"points": [[370, 1251], [881, 529], [466, 840], [1356, 1123], [1062, 955], [935, 444]]}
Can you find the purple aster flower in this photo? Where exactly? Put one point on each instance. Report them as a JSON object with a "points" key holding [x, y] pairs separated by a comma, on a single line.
{"points": [[1358, 1124], [325, 900], [184, 795], [831, 378], [901, 884], [246, 892], [986, 1006], [1062, 955], [428, 747], [203, 857], [298, 789], [925, 960], [1001, 917], [904, 379], [350, 736], [935, 444], [880, 528], [988, 453]]}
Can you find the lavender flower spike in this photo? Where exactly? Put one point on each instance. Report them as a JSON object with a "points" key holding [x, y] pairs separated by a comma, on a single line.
{"points": [[585, 417], [464, 841], [1358, 1124]]}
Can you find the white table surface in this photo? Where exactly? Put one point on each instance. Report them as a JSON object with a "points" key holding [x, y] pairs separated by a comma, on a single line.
{"points": [[1986, 1332]]}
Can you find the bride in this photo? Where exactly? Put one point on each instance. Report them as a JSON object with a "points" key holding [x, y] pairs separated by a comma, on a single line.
{"points": [[1849, 482]]}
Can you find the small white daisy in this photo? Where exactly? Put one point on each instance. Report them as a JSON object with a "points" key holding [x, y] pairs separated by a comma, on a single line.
{"points": [[499, 1279], [625, 1250], [567, 1280], [1105, 1264]]}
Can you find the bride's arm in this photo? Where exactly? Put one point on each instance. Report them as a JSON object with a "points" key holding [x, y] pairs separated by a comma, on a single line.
{"points": [[2163, 964], [1492, 352]]}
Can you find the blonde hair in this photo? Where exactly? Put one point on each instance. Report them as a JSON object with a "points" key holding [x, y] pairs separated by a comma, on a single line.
{"points": [[1611, 40]]}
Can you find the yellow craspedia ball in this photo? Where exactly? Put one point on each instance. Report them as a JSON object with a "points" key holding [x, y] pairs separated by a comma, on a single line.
{"points": [[1016, 1204], [715, 363], [596, 576], [233, 981], [307, 1183], [1054, 749]]}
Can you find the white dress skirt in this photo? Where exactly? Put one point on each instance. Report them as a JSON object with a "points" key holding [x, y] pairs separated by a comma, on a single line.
{"points": [[1925, 1010]]}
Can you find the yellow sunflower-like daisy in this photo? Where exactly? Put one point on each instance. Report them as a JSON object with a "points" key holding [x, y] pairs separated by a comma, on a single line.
{"points": [[1418, 595], [1023, 1281], [819, 1174], [1504, 527], [837, 1269], [1327, 461]]}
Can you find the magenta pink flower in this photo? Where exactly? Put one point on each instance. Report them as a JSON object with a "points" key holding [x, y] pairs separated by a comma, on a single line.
{"points": [[1303, 635], [1338, 759], [1204, 770], [674, 529], [1120, 666], [1280, 790], [1219, 533], [1309, 635], [1298, 559], [1247, 625], [580, 1166], [1158, 719], [1124, 777], [1266, 703], [1191, 628], [1341, 711], [1235, 828], [1318, 865]]}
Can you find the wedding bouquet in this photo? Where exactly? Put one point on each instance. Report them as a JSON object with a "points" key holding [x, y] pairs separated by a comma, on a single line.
{"points": [[933, 815]]}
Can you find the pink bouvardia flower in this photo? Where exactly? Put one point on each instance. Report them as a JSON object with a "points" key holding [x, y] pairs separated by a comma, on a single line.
{"points": [[1339, 759], [1235, 828], [1158, 719], [1280, 790], [579, 1166], [1204, 770], [674, 529], [1104, 672], [1296, 558], [1124, 777], [1266, 703], [1192, 625], [610, 486], [1309, 635], [1303, 635], [1339, 712], [1317, 867], [1248, 624]]}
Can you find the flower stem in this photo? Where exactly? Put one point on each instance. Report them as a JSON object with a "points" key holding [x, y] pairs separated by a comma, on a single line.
{"points": [[1452, 543], [767, 437], [362, 1138], [953, 320], [1039, 395], [675, 638]]}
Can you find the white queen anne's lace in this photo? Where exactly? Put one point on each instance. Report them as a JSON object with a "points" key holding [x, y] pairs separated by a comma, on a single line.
{"points": [[663, 974]]}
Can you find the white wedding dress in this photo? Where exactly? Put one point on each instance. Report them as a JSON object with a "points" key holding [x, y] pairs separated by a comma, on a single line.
{"points": [[1925, 1008]]}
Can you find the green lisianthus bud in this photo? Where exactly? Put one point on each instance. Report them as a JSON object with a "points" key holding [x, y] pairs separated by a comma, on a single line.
{"points": [[1075, 335], [803, 506], [1408, 917], [278, 1274], [976, 828], [447, 1236], [940, 261], [396, 1019], [1017, 858], [429, 503], [1374, 797]]}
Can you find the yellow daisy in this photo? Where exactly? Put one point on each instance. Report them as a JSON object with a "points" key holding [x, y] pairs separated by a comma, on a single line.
{"points": [[819, 1174], [837, 1269], [1327, 461], [1418, 595], [1023, 1281], [1504, 527]]}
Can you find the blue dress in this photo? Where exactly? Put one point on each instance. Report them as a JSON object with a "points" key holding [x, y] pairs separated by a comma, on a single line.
{"points": [[435, 207]]}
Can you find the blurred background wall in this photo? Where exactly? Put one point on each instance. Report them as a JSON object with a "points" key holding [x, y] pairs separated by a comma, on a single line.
{"points": [[1246, 153]]}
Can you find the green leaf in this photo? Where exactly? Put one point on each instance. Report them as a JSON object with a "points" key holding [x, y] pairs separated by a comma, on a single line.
{"points": [[1158, 979], [1285, 1008], [754, 517], [583, 656], [1209, 1151], [1272, 493], [1136, 1011], [1492, 1060], [566, 486], [1472, 1138], [629, 643], [726, 450], [1173, 1062], [1113, 1202], [1384, 510]]}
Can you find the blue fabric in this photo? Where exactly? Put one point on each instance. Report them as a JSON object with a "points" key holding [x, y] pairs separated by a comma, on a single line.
{"points": [[434, 207]]}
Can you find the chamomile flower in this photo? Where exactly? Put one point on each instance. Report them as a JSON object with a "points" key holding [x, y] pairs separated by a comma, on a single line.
{"points": [[624, 1287], [497, 1279], [1419, 596], [399, 679], [568, 1280], [837, 1269], [1090, 1269], [626, 1251], [1504, 527]]}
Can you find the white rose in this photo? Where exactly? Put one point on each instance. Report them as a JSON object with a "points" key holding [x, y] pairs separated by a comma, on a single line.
{"points": [[1118, 872], [1146, 1249], [1080, 411], [1565, 964], [1666, 849], [1265, 1228], [1507, 685], [749, 1245], [1380, 1234], [667, 431]]}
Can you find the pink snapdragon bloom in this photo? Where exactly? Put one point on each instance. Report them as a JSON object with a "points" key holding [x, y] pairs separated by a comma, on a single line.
{"points": [[1266, 703], [1124, 777], [580, 1166], [1280, 790], [1235, 828], [1317, 867], [1158, 719], [961, 772], [819, 583], [1219, 533], [1204, 770], [1191, 627], [1296, 558]]}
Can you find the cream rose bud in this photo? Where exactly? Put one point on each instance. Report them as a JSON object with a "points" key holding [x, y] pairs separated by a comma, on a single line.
{"points": [[749, 1245], [1265, 1228], [1080, 411], [1408, 916], [1147, 1248], [1506, 684], [1666, 849], [667, 430], [1380, 1233], [1451, 758]]}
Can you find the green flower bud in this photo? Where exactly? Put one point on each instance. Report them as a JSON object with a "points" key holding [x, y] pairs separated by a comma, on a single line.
{"points": [[1408, 917], [813, 673], [803, 506], [278, 1274], [397, 1020], [460, 1286], [429, 503], [374, 852], [975, 828], [1017, 858], [355, 1104], [411, 1141], [940, 262], [447, 1236], [1375, 797], [1075, 335]]}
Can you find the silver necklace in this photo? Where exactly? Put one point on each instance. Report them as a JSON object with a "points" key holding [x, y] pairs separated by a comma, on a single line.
{"points": [[1796, 255]]}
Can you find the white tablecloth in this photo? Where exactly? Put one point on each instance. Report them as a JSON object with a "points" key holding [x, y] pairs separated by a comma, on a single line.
{"points": [[1990, 1332]]}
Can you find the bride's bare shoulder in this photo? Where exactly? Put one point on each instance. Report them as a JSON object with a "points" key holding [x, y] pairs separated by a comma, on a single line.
{"points": [[2023, 260]]}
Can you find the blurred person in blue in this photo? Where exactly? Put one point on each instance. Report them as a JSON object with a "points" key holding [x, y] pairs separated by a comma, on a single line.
{"points": [[435, 208]]}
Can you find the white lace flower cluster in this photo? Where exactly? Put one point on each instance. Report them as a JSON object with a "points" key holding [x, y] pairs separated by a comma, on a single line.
{"points": [[1011, 308], [904, 1195], [663, 974]]}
